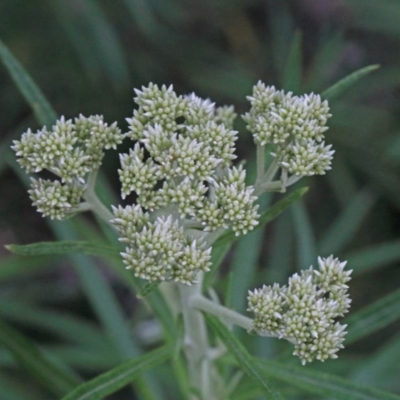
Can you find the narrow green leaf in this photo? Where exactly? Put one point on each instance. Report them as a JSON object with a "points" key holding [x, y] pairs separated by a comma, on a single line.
{"points": [[293, 69], [243, 358], [373, 317], [17, 266], [343, 229], [63, 247], [147, 288], [32, 94], [113, 380], [305, 239], [36, 363], [321, 383], [64, 325], [340, 87], [374, 257], [268, 216]]}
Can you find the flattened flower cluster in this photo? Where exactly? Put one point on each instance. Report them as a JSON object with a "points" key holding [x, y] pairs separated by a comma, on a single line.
{"points": [[305, 311], [159, 250], [182, 160], [294, 125], [69, 150]]}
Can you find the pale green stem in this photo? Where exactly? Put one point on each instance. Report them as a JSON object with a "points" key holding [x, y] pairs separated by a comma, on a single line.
{"points": [[266, 178], [196, 343], [96, 205], [229, 316], [260, 162], [212, 237]]}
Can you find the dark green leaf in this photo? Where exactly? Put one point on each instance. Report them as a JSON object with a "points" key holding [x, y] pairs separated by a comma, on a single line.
{"points": [[147, 288], [345, 83], [293, 70], [32, 94], [63, 247], [37, 364], [113, 380], [373, 317], [321, 383], [244, 359]]}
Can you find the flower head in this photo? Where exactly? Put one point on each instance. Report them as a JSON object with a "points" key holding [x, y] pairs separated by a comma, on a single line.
{"points": [[305, 311]]}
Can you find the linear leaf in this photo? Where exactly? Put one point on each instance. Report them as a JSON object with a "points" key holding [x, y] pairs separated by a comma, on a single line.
{"points": [[32, 94], [321, 383], [373, 317], [64, 325], [62, 247], [293, 70], [374, 257], [113, 380], [244, 359], [345, 226], [35, 362], [268, 216], [147, 288], [340, 87]]}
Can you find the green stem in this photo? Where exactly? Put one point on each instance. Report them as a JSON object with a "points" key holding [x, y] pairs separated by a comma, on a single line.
{"points": [[260, 162], [96, 205], [196, 344], [225, 313]]}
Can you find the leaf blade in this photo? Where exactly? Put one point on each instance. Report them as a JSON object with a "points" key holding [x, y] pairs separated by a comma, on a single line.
{"points": [[340, 87], [243, 358], [118, 377]]}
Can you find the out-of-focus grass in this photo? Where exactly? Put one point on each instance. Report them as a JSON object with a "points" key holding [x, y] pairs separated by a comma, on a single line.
{"points": [[87, 56]]}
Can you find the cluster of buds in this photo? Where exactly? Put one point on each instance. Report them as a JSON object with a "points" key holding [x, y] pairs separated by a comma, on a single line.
{"points": [[305, 311], [294, 126], [182, 161], [159, 250], [70, 150]]}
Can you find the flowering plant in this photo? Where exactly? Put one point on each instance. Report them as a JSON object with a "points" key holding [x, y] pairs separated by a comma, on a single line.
{"points": [[185, 194]]}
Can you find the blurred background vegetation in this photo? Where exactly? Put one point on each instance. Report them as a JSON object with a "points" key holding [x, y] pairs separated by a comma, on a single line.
{"points": [[87, 55]]}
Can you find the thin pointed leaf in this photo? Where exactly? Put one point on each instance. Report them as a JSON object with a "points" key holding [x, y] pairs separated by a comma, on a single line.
{"points": [[345, 226], [340, 87], [32, 94], [268, 216], [373, 317], [36, 363], [374, 257], [306, 248], [62, 247], [115, 379], [323, 384], [243, 358], [293, 70], [147, 288]]}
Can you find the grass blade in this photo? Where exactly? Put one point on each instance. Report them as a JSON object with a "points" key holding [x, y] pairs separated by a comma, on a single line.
{"points": [[340, 87], [36, 363], [373, 317], [293, 70], [113, 380], [243, 358], [32, 94], [66, 326], [321, 383], [341, 232], [62, 247], [306, 249], [374, 257]]}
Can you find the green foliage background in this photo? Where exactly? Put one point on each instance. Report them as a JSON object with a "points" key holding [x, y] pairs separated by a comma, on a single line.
{"points": [[86, 56]]}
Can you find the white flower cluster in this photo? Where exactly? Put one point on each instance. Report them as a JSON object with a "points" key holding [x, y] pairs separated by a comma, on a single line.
{"points": [[69, 150], [159, 250], [294, 125], [182, 159], [305, 311]]}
